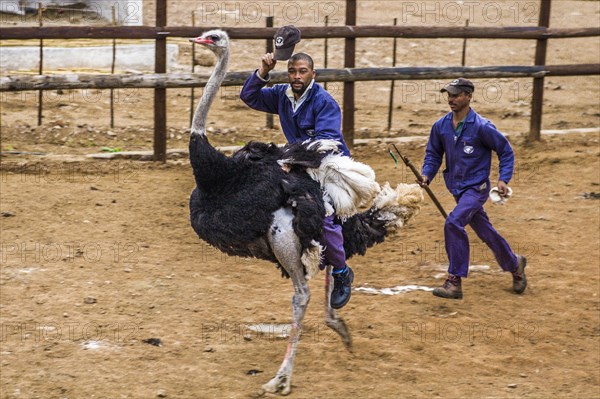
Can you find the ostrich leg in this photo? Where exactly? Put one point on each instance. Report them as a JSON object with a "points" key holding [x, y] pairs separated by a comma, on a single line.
{"points": [[332, 320], [286, 247]]}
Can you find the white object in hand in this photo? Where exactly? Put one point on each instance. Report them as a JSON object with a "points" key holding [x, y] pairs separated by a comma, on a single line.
{"points": [[496, 198]]}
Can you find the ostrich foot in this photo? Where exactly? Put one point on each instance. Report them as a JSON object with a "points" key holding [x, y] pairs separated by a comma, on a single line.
{"points": [[281, 383], [339, 326], [332, 320]]}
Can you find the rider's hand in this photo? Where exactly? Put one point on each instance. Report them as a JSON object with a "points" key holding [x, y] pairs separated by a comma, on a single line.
{"points": [[268, 63]]}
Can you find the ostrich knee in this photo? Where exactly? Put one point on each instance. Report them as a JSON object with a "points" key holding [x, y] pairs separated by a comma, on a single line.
{"points": [[301, 300]]}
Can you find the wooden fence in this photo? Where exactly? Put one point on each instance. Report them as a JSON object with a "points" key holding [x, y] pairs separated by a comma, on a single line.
{"points": [[160, 81], [183, 80], [308, 32]]}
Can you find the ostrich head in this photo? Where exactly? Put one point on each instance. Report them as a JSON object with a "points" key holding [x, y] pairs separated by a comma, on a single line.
{"points": [[216, 40]]}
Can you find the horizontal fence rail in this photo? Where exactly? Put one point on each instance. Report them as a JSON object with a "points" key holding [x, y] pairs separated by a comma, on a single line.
{"points": [[182, 80], [316, 32]]}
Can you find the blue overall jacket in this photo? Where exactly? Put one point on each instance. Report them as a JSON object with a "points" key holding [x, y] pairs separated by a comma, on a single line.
{"points": [[318, 117], [468, 154]]}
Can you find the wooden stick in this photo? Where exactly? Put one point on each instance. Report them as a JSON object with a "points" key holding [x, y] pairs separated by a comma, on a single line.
{"points": [[417, 174]]}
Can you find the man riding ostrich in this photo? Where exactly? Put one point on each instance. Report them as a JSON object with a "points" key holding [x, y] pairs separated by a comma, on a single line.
{"points": [[306, 112], [268, 202]]}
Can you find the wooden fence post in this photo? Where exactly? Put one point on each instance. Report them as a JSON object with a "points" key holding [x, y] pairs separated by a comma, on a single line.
{"points": [[349, 53], [269, 48], [464, 50], [326, 49], [41, 68], [112, 72], [537, 99], [160, 95], [393, 84], [192, 95]]}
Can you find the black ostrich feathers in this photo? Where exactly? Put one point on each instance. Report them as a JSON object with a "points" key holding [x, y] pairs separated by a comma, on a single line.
{"points": [[233, 204]]}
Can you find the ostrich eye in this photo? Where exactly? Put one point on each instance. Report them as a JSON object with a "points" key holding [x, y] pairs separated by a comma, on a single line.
{"points": [[214, 38]]}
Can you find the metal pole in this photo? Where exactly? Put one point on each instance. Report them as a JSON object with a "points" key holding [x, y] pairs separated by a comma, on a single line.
{"points": [[349, 61], [269, 48], [160, 95], [392, 86], [41, 68], [112, 71], [537, 99]]}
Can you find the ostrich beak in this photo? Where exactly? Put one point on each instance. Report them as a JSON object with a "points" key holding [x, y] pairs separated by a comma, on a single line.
{"points": [[201, 40]]}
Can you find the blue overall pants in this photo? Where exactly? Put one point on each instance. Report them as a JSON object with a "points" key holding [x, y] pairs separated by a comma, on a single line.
{"points": [[469, 211], [333, 241]]}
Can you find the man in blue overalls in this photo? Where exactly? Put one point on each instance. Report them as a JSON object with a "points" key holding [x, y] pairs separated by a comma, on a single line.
{"points": [[468, 140], [306, 112]]}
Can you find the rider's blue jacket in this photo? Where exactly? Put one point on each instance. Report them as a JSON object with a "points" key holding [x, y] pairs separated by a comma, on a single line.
{"points": [[317, 117]]}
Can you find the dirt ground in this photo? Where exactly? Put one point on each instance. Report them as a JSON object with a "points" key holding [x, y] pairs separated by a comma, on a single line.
{"points": [[106, 292]]}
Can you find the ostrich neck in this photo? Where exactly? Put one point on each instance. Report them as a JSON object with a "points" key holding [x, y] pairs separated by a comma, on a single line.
{"points": [[210, 91]]}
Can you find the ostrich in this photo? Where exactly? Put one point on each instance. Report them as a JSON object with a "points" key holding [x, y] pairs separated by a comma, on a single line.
{"points": [[267, 202]]}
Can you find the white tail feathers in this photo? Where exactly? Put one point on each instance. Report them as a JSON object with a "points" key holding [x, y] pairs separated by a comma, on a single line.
{"points": [[398, 206], [348, 183]]}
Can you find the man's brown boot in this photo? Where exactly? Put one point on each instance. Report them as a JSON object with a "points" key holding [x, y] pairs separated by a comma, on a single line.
{"points": [[451, 289], [519, 279]]}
